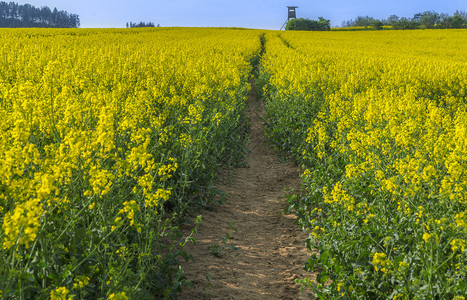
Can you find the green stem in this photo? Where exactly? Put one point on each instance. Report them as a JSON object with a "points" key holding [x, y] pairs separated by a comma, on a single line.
{"points": [[88, 255]]}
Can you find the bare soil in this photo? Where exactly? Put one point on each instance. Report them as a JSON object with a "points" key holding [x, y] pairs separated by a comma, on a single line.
{"points": [[270, 249]]}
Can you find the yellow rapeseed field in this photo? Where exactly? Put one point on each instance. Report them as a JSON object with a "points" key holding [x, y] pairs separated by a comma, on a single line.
{"points": [[378, 120], [108, 136], [100, 130]]}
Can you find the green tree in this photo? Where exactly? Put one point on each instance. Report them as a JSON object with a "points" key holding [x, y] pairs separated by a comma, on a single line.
{"points": [[405, 23], [429, 19], [457, 21], [377, 24], [363, 21], [391, 20], [462, 14], [15, 15], [324, 24], [307, 24]]}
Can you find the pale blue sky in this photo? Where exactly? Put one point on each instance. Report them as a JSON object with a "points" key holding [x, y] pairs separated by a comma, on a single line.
{"points": [[264, 14]]}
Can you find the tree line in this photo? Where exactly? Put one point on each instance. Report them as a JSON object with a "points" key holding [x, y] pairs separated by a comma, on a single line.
{"points": [[140, 24], [15, 15], [306, 24], [427, 19]]}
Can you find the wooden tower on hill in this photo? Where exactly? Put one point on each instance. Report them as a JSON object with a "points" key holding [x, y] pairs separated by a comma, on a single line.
{"points": [[291, 14]]}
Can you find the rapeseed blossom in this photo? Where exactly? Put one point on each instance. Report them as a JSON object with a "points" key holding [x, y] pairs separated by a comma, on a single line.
{"points": [[103, 134], [60, 293], [381, 262], [22, 224], [378, 123], [118, 296]]}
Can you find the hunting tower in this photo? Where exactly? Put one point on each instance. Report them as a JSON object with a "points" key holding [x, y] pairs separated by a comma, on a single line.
{"points": [[291, 14]]}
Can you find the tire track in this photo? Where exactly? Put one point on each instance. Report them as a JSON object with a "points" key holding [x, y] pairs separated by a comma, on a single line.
{"points": [[270, 248]]}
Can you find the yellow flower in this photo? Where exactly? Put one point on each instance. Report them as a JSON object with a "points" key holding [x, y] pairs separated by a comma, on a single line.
{"points": [[21, 225], [60, 293], [339, 286], [458, 244], [152, 200], [426, 237], [403, 264], [118, 296], [380, 262], [399, 296], [130, 208], [80, 282], [461, 219]]}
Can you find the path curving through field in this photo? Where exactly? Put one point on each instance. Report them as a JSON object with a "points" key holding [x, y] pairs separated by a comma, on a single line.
{"points": [[268, 248]]}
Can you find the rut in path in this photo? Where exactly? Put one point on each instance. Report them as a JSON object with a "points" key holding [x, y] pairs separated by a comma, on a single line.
{"points": [[270, 247]]}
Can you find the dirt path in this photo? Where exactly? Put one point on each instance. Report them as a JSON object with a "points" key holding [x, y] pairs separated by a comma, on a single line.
{"points": [[270, 247]]}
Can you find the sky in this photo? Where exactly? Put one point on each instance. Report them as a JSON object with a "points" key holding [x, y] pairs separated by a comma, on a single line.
{"points": [[260, 14]]}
